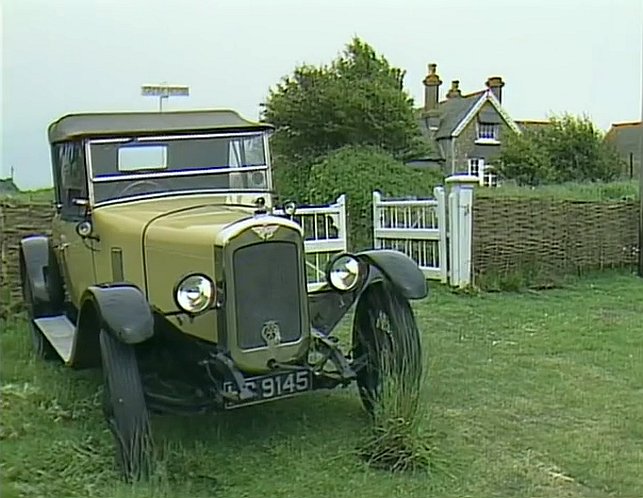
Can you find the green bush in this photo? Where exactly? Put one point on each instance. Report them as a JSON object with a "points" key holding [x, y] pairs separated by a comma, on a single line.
{"points": [[580, 191], [357, 172], [568, 149]]}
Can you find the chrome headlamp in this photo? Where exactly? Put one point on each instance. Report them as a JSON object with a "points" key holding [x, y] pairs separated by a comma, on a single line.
{"points": [[345, 272], [195, 294]]}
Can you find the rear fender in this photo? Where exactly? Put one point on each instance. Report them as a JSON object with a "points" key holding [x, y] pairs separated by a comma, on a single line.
{"points": [[39, 266]]}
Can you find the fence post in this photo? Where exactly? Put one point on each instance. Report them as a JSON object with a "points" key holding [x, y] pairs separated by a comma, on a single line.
{"points": [[377, 198], [443, 258], [341, 231]]}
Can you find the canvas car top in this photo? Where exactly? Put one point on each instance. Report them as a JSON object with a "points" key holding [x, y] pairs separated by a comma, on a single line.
{"points": [[144, 123]]}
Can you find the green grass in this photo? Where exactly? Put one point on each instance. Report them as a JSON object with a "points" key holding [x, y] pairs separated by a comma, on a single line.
{"points": [[534, 394], [618, 190], [41, 195]]}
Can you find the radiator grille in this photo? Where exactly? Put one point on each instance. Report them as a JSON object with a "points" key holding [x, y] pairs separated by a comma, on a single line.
{"points": [[267, 288]]}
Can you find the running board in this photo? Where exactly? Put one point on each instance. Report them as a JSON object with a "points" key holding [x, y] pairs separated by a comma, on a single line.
{"points": [[60, 332]]}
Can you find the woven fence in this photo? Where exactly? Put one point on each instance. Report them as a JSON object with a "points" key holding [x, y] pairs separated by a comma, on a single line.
{"points": [[548, 238], [542, 238], [18, 220]]}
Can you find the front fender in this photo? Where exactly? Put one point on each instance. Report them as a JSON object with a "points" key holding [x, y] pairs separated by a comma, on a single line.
{"points": [[122, 309], [327, 306], [400, 269]]}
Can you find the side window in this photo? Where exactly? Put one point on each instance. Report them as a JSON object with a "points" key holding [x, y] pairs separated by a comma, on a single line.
{"points": [[55, 161], [72, 179]]}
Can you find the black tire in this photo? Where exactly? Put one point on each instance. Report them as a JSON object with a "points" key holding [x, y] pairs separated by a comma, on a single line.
{"points": [[385, 330], [41, 346], [125, 409]]}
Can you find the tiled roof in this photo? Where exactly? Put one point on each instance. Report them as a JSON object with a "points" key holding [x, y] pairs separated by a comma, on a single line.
{"points": [[531, 124], [453, 110], [626, 137]]}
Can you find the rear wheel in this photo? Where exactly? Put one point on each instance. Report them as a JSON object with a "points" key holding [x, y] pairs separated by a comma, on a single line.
{"points": [[125, 409], [387, 340]]}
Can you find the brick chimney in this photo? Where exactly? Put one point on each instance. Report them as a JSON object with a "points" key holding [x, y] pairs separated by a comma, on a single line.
{"points": [[454, 91], [495, 84], [431, 88]]}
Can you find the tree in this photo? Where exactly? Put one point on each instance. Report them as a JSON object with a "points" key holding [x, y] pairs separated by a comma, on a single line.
{"points": [[568, 149], [358, 99]]}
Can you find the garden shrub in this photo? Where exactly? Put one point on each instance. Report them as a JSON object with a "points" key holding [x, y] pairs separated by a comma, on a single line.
{"points": [[357, 172]]}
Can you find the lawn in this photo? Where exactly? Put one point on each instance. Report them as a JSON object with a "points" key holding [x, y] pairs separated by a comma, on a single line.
{"points": [[538, 394]]}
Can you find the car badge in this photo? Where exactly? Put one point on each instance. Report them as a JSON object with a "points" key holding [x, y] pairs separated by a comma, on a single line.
{"points": [[265, 231], [271, 333]]}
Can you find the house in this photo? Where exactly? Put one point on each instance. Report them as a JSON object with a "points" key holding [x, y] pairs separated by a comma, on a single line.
{"points": [[7, 187], [532, 124], [626, 139], [464, 131]]}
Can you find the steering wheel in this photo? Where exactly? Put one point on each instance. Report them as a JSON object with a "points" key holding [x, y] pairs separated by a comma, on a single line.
{"points": [[142, 184]]}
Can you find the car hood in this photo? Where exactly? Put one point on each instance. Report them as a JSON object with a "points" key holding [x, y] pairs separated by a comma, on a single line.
{"points": [[177, 226]]}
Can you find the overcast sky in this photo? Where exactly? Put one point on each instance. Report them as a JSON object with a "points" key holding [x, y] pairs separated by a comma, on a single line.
{"points": [[578, 56]]}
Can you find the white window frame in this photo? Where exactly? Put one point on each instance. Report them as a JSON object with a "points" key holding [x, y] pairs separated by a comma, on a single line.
{"points": [[478, 163], [487, 133]]}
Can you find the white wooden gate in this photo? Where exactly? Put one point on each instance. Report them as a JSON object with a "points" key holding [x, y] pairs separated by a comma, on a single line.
{"points": [[324, 236], [435, 233], [415, 227]]}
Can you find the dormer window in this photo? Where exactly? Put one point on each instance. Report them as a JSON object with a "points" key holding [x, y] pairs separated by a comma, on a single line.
{"points": [[487, 133]]}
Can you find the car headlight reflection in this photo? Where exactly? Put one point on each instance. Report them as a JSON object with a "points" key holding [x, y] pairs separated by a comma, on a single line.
{"points": [[195, 293], [345, 273]]}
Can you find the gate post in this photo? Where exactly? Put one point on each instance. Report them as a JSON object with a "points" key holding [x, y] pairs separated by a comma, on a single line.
{"points": [[377, 222], [460, 228]]}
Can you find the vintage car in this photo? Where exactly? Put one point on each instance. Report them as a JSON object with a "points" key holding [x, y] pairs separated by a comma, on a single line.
{"points": [[171, 267]]}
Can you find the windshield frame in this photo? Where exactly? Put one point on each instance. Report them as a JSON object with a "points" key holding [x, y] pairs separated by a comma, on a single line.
{"points": [[92, 179]]}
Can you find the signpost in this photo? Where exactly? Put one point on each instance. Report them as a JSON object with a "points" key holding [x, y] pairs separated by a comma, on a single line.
{"points": [[165, 91], [641, 178], [641, 175]]}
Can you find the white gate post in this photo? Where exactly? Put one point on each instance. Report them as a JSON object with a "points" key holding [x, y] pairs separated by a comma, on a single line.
{"points": [[377, 222], [461, 228]]}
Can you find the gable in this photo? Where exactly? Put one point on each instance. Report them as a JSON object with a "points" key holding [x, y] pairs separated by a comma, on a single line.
{"points": [[489, 98]]}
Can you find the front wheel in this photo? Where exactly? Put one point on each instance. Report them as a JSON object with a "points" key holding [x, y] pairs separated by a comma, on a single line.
{"points": [[125, 409], [386, 345]]}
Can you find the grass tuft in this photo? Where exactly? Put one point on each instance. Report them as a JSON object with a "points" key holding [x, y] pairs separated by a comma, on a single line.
{"points": [[397, 442]]}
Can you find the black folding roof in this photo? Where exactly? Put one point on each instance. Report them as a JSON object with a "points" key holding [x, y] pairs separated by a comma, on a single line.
{"points": [[113, 124]]}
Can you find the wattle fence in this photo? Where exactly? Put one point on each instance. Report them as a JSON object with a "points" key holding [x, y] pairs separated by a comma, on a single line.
{"points": [[453, 237], [18, 220]]}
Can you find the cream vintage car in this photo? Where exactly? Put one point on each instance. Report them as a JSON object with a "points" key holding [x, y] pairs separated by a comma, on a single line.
{"points": [[169, 267]]}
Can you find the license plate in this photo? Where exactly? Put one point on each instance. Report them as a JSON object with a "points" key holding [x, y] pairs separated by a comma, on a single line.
{"points": [[272, 386]]}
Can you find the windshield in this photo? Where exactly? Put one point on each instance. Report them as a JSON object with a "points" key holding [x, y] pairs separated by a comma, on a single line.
{"points": [[131, 166]]}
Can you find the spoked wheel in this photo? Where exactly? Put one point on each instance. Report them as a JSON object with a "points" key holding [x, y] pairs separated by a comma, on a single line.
{"points": [[125, 409], [41, 346], [387, 341]]}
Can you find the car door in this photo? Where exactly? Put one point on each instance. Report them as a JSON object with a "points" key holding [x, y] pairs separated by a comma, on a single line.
{"points": [[74, 253]]}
